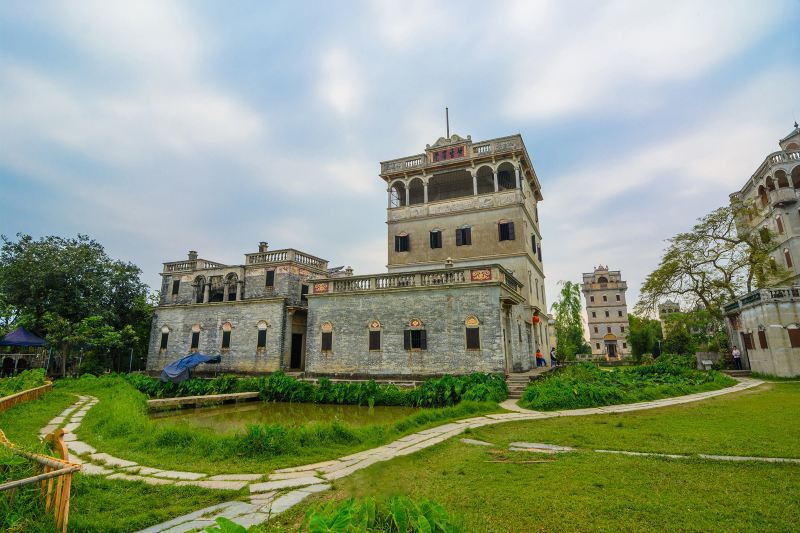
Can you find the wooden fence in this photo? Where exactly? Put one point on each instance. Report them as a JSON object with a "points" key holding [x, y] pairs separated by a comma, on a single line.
{"points": [[7, 402], [55, 481]]}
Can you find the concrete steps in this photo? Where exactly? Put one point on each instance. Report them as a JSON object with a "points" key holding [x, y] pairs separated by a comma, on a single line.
{"points": [[517, 384], [738, 373]]}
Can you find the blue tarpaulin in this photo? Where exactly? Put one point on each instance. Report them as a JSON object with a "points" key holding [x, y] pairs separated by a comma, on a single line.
{"points": [[22, 337], [181, 370]]}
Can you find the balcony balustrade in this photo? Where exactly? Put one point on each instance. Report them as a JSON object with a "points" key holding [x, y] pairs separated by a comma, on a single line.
{"points": [[774, 294]]}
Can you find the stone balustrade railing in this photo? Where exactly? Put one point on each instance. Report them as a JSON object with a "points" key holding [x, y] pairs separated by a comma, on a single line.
{"points": [[428, 278], [453, 205], [287, 255], [773, 294], [188, 266], [776, 158], [494, 146]]}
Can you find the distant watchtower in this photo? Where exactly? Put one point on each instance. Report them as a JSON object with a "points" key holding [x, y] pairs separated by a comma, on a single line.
{"points": [[607, 312], [467, 203]]}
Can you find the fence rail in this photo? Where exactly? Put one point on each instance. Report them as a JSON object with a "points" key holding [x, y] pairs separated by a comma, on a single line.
{"points": [[8, 402]]}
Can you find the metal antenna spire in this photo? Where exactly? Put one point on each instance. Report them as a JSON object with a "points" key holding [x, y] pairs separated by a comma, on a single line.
{"points": [[447, 119]]}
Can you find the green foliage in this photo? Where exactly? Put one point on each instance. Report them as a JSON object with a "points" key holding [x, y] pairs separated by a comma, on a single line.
{"points": [[643, 335], [687, 361], [225, 525], [399, 515], [26, 512], [438, 392], [29, 379], [697, 330], [586, 385], [569, 323]]}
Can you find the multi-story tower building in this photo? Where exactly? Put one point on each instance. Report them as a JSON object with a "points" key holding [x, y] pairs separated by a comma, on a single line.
{"points": [[665, 309], [607, 312], [773, 191]]}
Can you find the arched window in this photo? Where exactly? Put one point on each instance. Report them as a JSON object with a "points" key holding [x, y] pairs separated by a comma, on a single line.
{"points": [[216, 291], [796, 177], [164, 338], [261, 343], [473, 333], [397, 195], [602, 279], [506, 177], [762, 195], [781, 179], [787, 255], [447, 185], [199, 289], [485, 179], [231, 283], [374, 336], [416, 192], [226, 335], [770, 183], [415, 337], [195, 343], [779, 224], [327, 337]]}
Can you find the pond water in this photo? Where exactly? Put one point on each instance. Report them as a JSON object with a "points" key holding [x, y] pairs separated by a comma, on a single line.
{"points": [[239, 416]]}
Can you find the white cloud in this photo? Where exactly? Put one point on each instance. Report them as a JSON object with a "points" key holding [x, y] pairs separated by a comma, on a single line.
{"points": [[340, 85]]}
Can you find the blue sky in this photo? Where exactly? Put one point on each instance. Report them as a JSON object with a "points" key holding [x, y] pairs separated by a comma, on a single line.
{"points": [[159, 127]]}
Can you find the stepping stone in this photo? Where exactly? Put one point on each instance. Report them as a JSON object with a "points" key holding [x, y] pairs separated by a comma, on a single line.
{"points": [[289, 475], [143, 470], [74, 459], [57, 420], [148, 480], [72, 426], [641, 454], [288, 501], [237, 509], [175, 474], [195, 525], [48, 429], [313, 489], [305, 468], [217, 485], [81, 448], [236, 477], [110, 460], [208, 511], [476, 442], [93, 470], [538, 447], [284, 483], [262, 498], [70, 437], [740, 458], [252, 519]]}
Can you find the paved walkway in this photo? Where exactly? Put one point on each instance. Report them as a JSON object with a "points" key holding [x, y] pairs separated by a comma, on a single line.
{"points": [[273, 493]]}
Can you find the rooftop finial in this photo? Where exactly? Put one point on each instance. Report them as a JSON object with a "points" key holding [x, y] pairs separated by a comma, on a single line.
{"points": [[447, 119]]}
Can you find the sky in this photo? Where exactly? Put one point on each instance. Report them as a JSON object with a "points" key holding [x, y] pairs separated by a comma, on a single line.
{"points": [[157, 127]]}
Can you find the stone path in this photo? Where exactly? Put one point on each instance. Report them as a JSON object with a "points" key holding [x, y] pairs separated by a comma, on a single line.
{"points": [[272, 493]]}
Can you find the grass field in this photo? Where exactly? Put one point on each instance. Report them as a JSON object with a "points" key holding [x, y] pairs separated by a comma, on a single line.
{"points": [[492, 489]]}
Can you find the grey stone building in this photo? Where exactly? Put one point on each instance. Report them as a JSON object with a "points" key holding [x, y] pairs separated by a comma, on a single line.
{"points": [[464, 290], [607, 312]]}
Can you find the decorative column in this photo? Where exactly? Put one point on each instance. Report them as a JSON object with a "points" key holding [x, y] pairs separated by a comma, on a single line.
{"points": [[516, 172], [425, 186], [494, 173], [389, 202], [239, 290], [206, 292], [225, 292], [408, 195], [474, 181]]}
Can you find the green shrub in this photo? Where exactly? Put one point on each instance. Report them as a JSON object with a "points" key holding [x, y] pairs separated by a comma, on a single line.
{"points": [[26, 511], [27, 379], [586, 385], [399, 515]]}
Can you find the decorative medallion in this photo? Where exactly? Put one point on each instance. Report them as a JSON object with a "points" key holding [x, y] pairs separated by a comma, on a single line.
{"points": [[415, 323], [262, 324], [327, 327], [472, 321], [196, 328], [320, 288], [374, 325], [165, 329], [483, 274], [227, 326]]}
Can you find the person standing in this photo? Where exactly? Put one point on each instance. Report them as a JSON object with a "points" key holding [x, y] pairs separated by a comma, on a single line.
{"points": [[737, 357], [540, 358], [553, 360]]}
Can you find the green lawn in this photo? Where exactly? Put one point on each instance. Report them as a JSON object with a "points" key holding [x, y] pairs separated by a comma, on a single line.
{"points": [[585, 490]]}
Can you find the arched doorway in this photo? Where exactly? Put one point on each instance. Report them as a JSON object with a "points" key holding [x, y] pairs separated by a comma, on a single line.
{"points": [[610, 342]]}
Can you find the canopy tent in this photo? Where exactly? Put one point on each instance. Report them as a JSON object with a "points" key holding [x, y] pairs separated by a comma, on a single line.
{"points": [[22, 337], [181, 370]]}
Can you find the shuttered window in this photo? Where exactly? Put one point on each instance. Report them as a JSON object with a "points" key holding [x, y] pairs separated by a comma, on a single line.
{"points": [[262, 339], [327, 341], [794, 337], [415, 339], [748, 341], [506, 230], [195, 340], [436, 239], [762, 339], [270, 278], [463, 236], [164, 339], [473, 339], [374, 340], [401, 243]]}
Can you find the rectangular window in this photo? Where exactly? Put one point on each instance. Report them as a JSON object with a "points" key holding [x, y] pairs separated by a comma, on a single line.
{"points": [[591, 298], [606, 314], [625, 345], [506, 230], [748, 341], [195, 340], [436, 239], [762, 339], [327, 341], [595, 330], [176, 287], [605, 298], [415, 339], [304, 293], [618, 298], [608, 328], [619, 313], [794, 337], [474, 339], [164, 338], [594, 315], [270, 278], [262, 339], [622, 329], [374, 340], [463, 236], [539, 253], [597, 345], [401, 243], [533, 243], [226, 340]]}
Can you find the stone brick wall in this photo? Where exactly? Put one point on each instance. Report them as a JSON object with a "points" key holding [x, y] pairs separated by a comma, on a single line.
{"points": [[443, 312], [779, 358], [244, 316]]}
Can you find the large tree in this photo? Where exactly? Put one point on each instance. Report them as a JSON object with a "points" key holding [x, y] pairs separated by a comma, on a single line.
{"points": [[569, 322], [643, 335], [712, 263], [69, 290]]}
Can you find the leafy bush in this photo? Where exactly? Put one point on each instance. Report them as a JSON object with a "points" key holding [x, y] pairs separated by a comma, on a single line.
{"points": [[438, 392], [688, 361], [26, 511], [28, 379], [586, 385], [399, 515]]}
